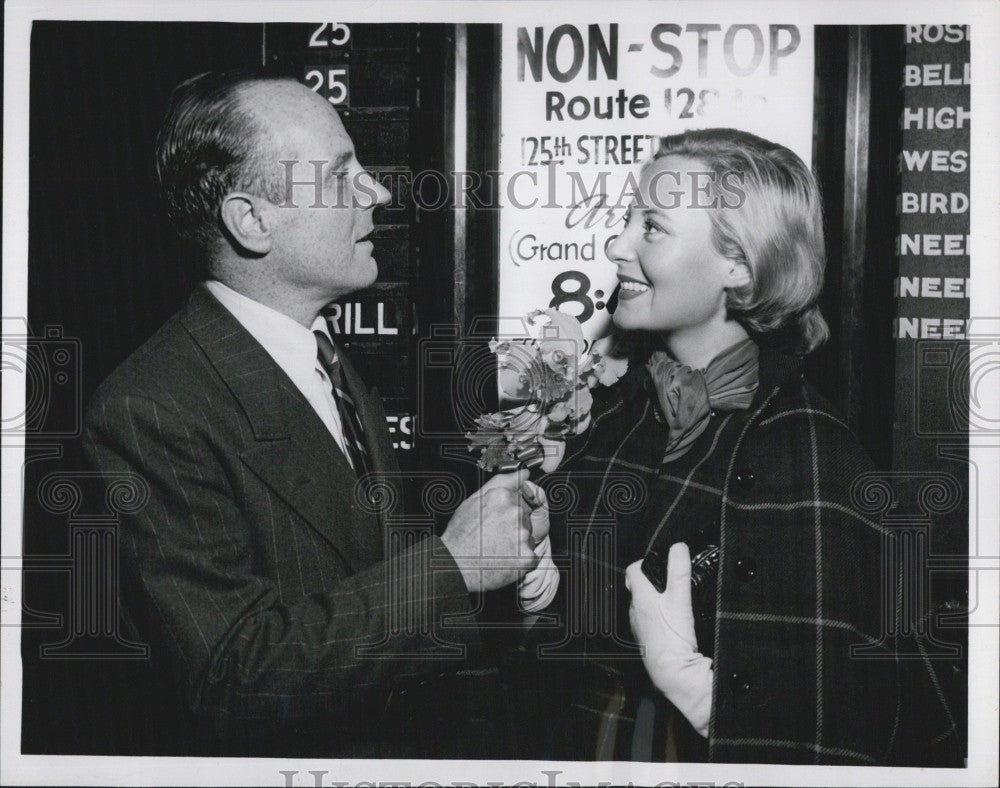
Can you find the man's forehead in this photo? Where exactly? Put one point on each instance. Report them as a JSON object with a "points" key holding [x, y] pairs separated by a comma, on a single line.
{"points": [[299, 119]]}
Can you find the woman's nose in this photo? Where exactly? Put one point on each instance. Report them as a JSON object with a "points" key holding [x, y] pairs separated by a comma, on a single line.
{"points": [[619, 249]]}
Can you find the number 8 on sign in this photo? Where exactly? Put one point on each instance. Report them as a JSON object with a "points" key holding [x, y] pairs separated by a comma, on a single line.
{"points": [[566, 293]]}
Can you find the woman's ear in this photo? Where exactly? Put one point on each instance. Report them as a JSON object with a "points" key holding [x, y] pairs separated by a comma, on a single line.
{"points": [[246, 222], [739, 275]]}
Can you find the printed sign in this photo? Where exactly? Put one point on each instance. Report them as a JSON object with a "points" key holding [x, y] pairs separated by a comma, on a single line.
{"points": [[583, 106], [933, 202]]}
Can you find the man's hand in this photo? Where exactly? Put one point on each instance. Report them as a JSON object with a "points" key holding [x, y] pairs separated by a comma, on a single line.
{"points": [[489, 536], [664, 625]]}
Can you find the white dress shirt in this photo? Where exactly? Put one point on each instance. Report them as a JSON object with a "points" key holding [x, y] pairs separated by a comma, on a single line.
{"points": [[293, 348]]}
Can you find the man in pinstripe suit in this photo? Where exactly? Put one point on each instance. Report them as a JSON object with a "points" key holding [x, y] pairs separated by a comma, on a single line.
{"points": [[256, 571]]}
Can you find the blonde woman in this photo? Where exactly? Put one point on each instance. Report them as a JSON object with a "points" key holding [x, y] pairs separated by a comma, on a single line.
{"points": [[745, 475]]}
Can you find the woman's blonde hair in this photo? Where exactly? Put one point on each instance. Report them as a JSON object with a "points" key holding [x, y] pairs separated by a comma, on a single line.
{"points": [[768, 215]]}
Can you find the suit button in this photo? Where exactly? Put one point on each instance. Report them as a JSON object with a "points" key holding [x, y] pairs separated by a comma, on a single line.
{"points": [[745, 478], [746, 569], [741, 683]]}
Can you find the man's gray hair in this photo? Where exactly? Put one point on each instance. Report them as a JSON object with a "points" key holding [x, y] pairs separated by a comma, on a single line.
{"points": [[211, 144]]}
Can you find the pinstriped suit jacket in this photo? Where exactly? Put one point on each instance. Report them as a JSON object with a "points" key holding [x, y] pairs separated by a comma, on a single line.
{"points": [[253, 570]]}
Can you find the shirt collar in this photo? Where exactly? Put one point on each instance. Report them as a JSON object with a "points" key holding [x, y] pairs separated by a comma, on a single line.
{"points": [[290, 344]]}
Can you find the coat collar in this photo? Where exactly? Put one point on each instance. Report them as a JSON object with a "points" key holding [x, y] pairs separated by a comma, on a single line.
{"points": [[776, 370], [253, 377], [294, 453]]}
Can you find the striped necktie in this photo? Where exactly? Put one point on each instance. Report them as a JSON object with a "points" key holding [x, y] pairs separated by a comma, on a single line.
{"points": [[350, 421]]}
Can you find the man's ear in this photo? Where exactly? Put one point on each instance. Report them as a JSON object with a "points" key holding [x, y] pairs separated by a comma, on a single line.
{"points": [[246, 222]]}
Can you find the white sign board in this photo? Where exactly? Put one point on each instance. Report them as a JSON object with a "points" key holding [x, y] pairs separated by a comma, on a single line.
{"points": [[583, 105]]}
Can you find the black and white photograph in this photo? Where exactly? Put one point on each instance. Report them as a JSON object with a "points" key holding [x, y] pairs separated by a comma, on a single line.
{"points": [[490, 393]]}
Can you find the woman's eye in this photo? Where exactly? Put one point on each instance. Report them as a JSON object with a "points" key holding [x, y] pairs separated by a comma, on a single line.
{"points": [[650, 227]]}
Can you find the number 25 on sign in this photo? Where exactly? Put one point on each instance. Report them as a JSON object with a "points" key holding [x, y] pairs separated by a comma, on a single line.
{"points": [[330, 34], [331, 82]]}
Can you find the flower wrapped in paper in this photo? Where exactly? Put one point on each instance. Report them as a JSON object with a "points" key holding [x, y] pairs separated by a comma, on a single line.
{"points": [[548, 381]]}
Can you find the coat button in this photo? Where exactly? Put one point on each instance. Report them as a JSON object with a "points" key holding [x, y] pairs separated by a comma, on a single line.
{"points": [[741, 683], [746, 569], [745, 478]]}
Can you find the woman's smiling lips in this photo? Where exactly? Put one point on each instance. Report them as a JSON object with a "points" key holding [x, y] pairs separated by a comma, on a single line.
{"points": [[631, 288]]}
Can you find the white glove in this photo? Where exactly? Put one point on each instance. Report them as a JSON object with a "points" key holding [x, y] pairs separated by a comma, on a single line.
{"points": [[535, 497], [537, 588], [664, 626]]}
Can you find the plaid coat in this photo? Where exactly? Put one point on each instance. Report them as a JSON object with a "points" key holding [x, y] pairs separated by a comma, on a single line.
{"points": [[799, 583]]}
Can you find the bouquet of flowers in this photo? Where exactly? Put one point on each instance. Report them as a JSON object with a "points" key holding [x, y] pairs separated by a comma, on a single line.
{"points": [[549, 379]]}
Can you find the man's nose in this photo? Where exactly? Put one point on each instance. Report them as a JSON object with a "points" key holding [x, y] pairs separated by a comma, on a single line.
{"points": [[372, 193]]}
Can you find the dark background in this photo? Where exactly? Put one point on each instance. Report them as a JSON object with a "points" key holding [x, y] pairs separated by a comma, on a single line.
{"points": [[103, 267]]}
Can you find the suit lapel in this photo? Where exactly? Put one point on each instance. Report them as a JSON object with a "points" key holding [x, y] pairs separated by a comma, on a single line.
{"points": [[293, 452]]}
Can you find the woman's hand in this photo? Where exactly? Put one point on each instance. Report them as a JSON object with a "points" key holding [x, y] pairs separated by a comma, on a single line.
{"points": [[535, 497], [664, 626], [537, 589]]}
